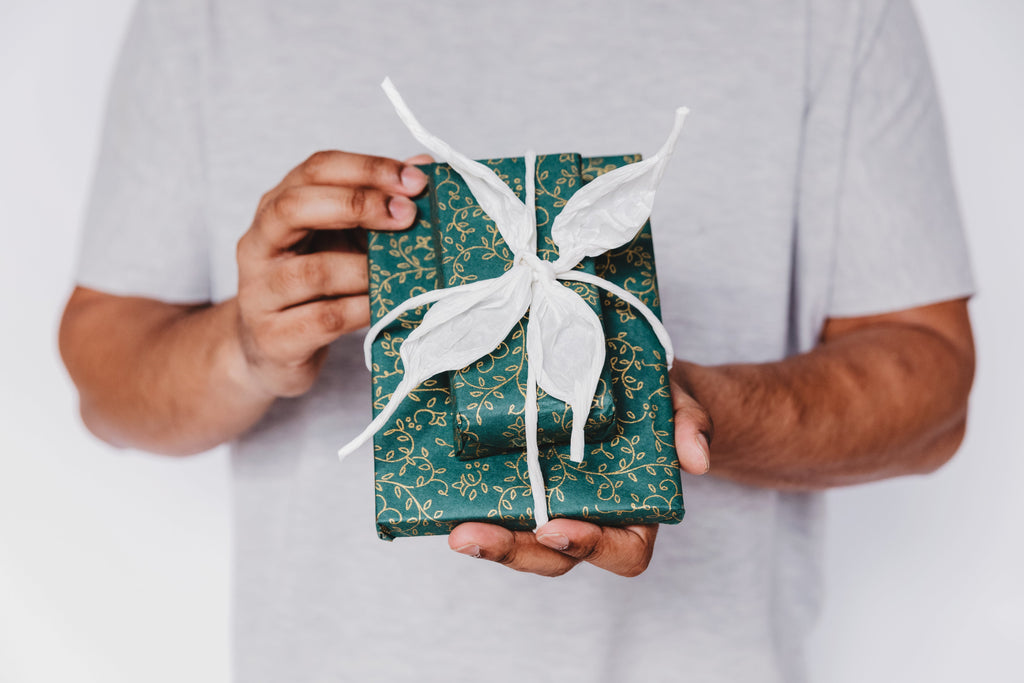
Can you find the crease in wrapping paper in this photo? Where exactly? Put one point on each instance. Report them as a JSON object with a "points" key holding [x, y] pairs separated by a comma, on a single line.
{"points": [[490, 394], [422, 488]]}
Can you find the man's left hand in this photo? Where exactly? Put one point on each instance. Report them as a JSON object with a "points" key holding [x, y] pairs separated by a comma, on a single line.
{"points": [[561, 544]]}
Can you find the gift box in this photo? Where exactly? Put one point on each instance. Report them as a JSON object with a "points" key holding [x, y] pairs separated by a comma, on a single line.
{"points": [[424, 481]]}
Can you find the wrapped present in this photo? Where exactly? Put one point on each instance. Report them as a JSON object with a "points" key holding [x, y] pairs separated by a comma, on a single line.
{"points": [[428, 329]]}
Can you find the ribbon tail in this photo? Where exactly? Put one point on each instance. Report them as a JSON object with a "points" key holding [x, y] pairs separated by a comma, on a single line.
{"points": [[403, 389], [677, 126], [540, 499], [492, 194], [659, 329], [577, 439]]}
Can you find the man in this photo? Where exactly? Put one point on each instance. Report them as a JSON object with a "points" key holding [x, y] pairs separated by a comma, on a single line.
{"points": [[812, 272]]}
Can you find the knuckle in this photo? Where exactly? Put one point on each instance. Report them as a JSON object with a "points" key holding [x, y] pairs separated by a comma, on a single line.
{"points": [[379, 170], [284, 281], [694, 412], [264, 200], [507, 557], [331, 317], [555, 572], [307, 273], [301, 327], [314, 166], [589, 551], [708, 427], [638, 567], [358, 199], [698, 416], [639, 552], [262, 213], [286, 203]]}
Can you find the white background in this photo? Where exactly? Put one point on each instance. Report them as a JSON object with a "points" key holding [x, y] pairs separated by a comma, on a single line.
{"points": [[114, 566]]}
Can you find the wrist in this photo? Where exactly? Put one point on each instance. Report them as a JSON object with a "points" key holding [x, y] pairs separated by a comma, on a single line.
{"points": [[239, 370]]}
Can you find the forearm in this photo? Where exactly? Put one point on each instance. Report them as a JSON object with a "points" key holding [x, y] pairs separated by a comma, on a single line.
{"points": [[160, 377], [877, 401]]}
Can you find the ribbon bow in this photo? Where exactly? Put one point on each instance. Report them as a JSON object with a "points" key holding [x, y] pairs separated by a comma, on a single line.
{"points": [[565, 344]]}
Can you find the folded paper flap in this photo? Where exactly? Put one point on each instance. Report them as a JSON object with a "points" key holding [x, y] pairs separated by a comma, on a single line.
{"points": [[510, 214], [490, 394], [608, 212]]}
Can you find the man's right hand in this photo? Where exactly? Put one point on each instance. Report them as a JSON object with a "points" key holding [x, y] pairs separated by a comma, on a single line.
{"points": [[181, 378], [302, 268]]}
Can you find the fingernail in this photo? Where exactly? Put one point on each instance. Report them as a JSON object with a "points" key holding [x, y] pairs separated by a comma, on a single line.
{"points": [[413, 178], [555, 541], [471, 549], [705, 450], [401, 208]]}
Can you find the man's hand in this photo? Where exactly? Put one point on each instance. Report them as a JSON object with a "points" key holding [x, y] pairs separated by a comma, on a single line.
{"points": [[558, 546], [561, 544], [179, 379], [302, 269]]}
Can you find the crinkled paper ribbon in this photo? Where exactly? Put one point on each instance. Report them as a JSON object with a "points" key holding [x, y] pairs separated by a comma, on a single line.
{"points": [[565, 344]]}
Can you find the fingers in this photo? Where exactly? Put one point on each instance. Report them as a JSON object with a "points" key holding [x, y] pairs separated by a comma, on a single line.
{"points": [[284, 348], [334, 190], [419, 159], [625, 551], [286, 216], [332, 167], [302, 270], [559, 546], [517, 550], [309, 327], [694, 432], [311, 277]]}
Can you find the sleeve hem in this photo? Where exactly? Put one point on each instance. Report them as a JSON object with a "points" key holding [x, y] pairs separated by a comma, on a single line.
{"points": [[139, 287], [908, 301]]}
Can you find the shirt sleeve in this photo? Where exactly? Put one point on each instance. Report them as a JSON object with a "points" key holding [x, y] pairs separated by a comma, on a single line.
{"points": [[144, 232], [900, 241]]}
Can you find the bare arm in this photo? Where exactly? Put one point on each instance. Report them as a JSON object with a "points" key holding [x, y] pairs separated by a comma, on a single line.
{"points": [[180, 379], [881, 396], [149, 373]]}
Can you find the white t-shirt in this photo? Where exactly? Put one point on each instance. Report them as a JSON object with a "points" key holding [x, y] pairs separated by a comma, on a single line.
{"points": [[811, 181]]}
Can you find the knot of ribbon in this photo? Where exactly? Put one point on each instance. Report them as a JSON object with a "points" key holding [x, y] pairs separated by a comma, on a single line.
{"points": [[542, 270], [565, 344]]}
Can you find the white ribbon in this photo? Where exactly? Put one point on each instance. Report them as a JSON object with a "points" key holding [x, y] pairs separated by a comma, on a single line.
{"points": [[565, 343]]}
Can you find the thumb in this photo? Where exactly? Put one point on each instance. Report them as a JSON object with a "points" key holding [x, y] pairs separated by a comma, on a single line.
{"points": [[693, 432]]}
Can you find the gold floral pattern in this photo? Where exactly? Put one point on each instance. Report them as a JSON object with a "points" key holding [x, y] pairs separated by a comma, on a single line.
{"points": [[422, 487]]}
